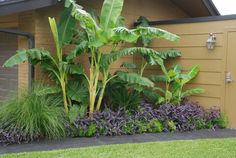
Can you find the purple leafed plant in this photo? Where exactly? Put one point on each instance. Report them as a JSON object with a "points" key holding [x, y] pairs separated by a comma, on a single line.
{"points": [[107, 123], [13, 136], [186, 117], [189, 116]]}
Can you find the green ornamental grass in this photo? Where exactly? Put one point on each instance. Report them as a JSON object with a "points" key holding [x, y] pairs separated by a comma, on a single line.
{"points": [[35, 114]]}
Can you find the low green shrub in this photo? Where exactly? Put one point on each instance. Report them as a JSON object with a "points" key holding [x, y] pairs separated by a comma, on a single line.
{"points": [[35, 115], [172, 126], [155, 126], [128, 128], [92, 129], [142, 126], [222, 121], [120, 94], [201, 124]]}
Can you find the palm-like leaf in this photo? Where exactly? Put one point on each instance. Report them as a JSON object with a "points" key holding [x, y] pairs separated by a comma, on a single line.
{"points": [[131, 36], [19, 57], [110, 13], [171, 53], [75, 69], [76, 92], [48, 90], [151, 95], [122, 34], [149, 54], [85, 19], [152, 32], [190, 92], [55, 34], [135, 79], [35, 55], [79, 49], [192, 73], [129, 65], [65, 27], [158, 78], [71, 68]]}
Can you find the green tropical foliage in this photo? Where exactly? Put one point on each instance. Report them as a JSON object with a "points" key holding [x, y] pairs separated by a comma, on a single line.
{"points": [[121, 94], [175, 81], [108, 30], [59, 66]]}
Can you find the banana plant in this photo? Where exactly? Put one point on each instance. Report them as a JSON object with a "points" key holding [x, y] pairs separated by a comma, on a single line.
{"points": [[146, 41], [168, 78], [175, 81], [182, 79], [108, 31], [59, 68]]}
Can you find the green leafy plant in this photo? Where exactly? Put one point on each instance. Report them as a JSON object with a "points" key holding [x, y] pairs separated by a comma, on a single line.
{"points": [[222, 122], [91, 130], [175, 81], [108, 31], [128, 128], [36, 114], [142, 126], [121, 94], [171, 126], [149, 92], [201, 124], [146, 41], [77, 111], [58, 66], [155, 126]]}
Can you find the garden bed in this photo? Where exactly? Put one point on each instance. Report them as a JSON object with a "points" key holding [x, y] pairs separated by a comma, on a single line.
{"points": [[145, 119], [101, 102]]}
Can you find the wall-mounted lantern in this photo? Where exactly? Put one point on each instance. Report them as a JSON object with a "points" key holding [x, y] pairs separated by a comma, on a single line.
{"points": [[211, 41]]}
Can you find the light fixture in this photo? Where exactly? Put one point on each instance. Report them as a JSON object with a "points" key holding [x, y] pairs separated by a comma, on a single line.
{"points": [[211, 41]]}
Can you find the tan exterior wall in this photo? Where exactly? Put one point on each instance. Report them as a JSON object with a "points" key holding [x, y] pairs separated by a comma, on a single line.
{"points": [[25, 23], [10, 21], [212, 62]]}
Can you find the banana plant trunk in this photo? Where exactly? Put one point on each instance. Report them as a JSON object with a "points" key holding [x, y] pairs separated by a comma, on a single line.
{"points": [[63, 87], [104, 83], [94, 77]]}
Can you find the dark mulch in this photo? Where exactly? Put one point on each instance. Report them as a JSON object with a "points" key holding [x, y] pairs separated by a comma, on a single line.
{"points": [[86, 142]]}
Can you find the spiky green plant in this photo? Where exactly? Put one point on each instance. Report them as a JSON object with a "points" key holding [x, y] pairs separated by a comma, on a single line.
{"points": [[36, 114]]}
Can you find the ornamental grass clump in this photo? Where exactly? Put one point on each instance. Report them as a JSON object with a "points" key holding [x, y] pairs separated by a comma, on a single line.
{"points": [[32, 116]]}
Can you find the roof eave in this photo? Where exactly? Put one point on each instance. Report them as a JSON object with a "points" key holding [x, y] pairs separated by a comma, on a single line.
{"points": [[211, 7], [24, 5]]}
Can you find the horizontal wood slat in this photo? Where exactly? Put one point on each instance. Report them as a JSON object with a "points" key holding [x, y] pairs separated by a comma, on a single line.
{"points": [[195, 40], [207, 102], [199, 53]]}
